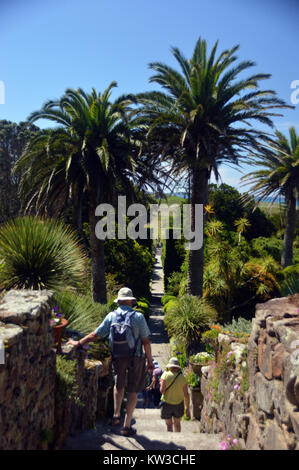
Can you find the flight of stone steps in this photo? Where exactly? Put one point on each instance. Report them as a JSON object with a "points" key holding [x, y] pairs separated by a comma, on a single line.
{"points": [[151, 435]]}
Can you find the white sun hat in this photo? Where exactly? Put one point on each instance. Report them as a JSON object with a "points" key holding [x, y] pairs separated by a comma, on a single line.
{"points": [[125, 294]]}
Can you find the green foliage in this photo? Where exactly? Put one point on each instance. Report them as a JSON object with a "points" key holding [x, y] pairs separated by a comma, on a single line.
{"points": [[172, 303], [66, 384], [202, 358], [166, 298], [143, 307], [228, 207], [174, 283], [290, 286], [239, 327], [13, 140], [193, 380], [84, 315], [263, 246], [173, 254], [40, 254], [186, 318], [131, 265]]}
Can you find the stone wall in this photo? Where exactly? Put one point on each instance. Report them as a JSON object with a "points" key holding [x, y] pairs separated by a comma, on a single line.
{"points": [[257, 400], [27, 378], [32, 414]]}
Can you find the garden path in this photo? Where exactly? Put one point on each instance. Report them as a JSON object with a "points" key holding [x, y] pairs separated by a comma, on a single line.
{"points": [[151, 430]]}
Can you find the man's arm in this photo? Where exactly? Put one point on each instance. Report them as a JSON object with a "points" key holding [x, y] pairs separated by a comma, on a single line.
{"points": [[148, 352], [87, 339]]}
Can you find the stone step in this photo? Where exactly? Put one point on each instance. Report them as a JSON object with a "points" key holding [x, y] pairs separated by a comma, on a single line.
{"points": [[161, 440]]}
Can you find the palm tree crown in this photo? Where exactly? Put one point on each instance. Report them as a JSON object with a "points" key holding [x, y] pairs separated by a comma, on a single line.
{"points": [[278, 177]]}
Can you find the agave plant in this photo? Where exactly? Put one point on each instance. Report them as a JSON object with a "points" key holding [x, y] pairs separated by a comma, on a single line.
{"points": [[40, 254], [187, 318]]}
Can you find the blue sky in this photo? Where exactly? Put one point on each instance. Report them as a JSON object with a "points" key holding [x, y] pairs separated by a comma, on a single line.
{"points": [[50, 45]]}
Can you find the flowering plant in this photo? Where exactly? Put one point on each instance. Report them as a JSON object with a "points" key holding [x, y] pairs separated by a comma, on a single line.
{"points": [[230, 444], [202, 358], [56, 317]]}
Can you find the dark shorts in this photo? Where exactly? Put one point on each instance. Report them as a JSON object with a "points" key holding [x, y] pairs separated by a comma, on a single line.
{"points": [[172, 411], [129, 371]]}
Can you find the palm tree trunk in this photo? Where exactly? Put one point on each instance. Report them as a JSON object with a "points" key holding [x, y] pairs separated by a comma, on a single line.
{"points": [[99, 293], [200, 180], [287, 249]]}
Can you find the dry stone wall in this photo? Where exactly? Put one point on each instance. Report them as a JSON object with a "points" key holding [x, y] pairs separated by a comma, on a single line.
{"points": [[32, 413], [264, 412], [27, 377]]}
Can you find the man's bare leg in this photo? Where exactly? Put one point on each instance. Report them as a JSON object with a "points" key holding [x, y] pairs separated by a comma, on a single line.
{"points": [[118, 396], [131, 404]]}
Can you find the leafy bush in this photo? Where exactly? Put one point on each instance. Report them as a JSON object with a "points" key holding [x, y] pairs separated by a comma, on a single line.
{"points": [[143, 307], [187, 318], [174, 283], [40, 254], [131, 264], [173, 254], [202, 358], [167, 297], [239, 327], [290, 286], [262, 247], [66, 385], [170, 304], [192, 379]]}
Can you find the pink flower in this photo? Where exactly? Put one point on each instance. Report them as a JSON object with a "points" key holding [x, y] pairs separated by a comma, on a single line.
{"points": [[228, 437], [223, 445], [235, 441], [209, 395]]}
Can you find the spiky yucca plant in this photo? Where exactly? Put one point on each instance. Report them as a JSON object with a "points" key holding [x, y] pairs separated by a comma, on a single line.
{"points": [[186, 319], [40, 254]]}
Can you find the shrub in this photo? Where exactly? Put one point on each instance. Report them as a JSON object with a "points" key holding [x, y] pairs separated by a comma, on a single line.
{"points": [[131, 264], [66, 384], [174, 283], [143, 307], [239, 327], [262, 247], [173, 254], [187, 318], [167, 297], [40, 254], [290, 286], [84, 316], [169, 305]]}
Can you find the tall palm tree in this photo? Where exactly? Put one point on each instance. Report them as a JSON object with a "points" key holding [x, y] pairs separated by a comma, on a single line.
{"points": [[93, 154], [203, 119], [279, 176]]}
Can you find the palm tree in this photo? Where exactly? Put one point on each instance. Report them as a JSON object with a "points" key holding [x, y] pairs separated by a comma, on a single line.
{"points": [[203, 119], [278, 177], [92, 154]]}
